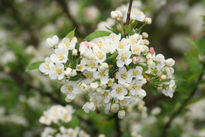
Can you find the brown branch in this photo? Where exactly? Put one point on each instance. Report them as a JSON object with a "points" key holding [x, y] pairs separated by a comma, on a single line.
{"points": [[129, 12], [118, 132], [179, 110], [63, 5]]}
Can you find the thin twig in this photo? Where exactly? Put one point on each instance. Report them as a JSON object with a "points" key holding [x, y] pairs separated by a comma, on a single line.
{"points": [[179, 110], [128, 12]]}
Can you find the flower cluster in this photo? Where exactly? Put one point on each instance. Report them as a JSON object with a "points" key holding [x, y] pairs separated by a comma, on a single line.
{"points": [[111, 69], [57, 114], [64, 132]]}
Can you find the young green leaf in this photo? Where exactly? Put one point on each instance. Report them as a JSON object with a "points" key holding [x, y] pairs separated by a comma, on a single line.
{"points": [[34, 65], [97, 34], [71, 34]]}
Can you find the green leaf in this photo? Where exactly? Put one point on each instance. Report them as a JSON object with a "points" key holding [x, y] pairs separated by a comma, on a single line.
{"points": [[34, 65], [71, 34], [97, 34]]}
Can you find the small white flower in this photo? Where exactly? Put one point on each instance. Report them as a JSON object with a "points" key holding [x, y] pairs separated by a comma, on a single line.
{"points": [[103, 66], [60, 56], [45, 67], [123, 58], [56, 71], [147, 20], [137, 71], [106, 96], [102, 75], [83, 87], [89, 106], [137, 90], [138, 15], [159, 58], [118, 91], [94, 85], [124, 76], [170, 62], [169, 91], [100, 55], [124, 44], [52, 41], [70, 88], [115, 14], [67, 44], [67, 71]]}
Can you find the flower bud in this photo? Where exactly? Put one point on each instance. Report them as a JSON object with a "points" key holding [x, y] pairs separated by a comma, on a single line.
{"points": [[152, 50], [121, 114], [73, 73], [103, 66], [163, 77], [145, 35], [146, 42], [135, 59], [67, 71], [127, 86], [170, 62], [115, 107], [74, 52], [148, 20]]}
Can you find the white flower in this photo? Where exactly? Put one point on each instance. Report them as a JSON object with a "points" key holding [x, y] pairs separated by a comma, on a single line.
{"points": [[124, 44], [159, 58], [126, 101], [123, 58], [170, 62], [137, 71], [56, 71], [70, 88], [103, 66], [124, 76], [99, 54], [67, 44], [136, 89], [102, 75], [94, 85], [83, 87], [115, 14], [121, 114], [51, 42], [45, 67], [106, 96], [169, 91], [89, 106], [60, 56], [90, 64], [118, 91], [138, 15]]}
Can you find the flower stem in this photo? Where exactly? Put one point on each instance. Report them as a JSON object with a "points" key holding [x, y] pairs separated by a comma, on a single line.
{"points": [[128, 12]]}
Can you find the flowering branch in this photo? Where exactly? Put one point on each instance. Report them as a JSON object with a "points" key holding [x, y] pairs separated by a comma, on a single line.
{"points": [[128, 12], [183, 105]]}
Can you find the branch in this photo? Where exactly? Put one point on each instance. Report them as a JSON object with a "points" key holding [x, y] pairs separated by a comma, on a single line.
{"points": [[118, 133], [65, 9], [128, 12], [179, 110]]}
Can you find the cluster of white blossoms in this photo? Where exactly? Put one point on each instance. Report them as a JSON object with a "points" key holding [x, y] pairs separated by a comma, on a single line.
{"points": [[64, 132], [112, 69], [56, 115]]}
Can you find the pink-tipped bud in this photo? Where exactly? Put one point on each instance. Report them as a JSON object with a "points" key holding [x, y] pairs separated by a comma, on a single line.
{"points": [[118, 18], [152, 50], [75, 39], [135, 59]]}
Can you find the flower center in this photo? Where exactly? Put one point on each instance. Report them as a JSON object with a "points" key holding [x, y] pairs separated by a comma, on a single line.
{"points": [[121, 44], [99, 43], [123, 56], [58, 71], [60, 56], [136, 86], [118, 90], [124, 75]]}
